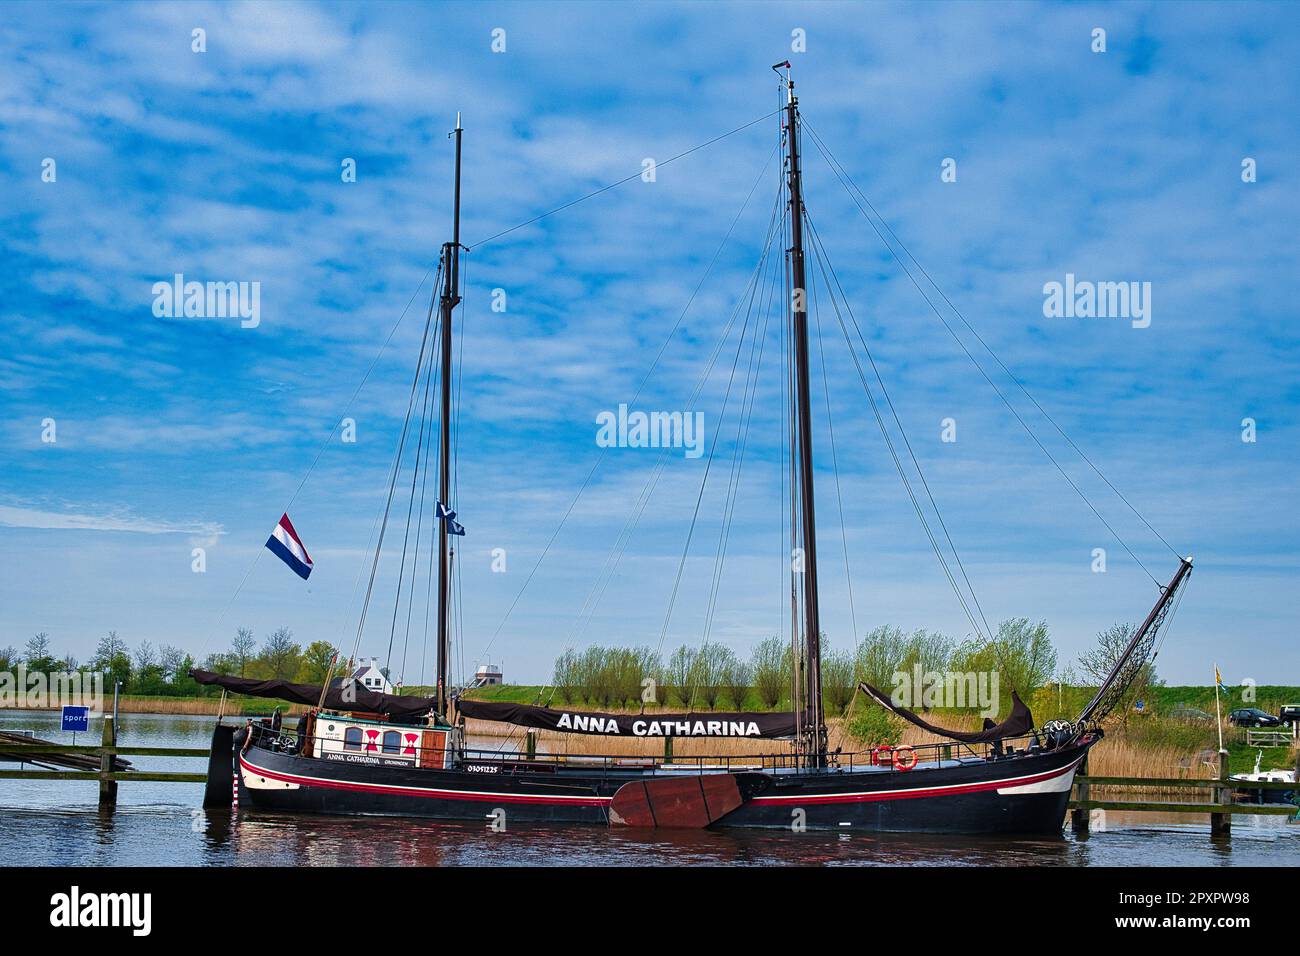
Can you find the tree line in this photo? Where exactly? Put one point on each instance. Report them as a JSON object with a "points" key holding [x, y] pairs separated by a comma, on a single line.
{"points": [[711, 675], [163, 671]]}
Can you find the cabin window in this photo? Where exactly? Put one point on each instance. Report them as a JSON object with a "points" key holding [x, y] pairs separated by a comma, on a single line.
{"points": [[352, 738], [392, 742]]}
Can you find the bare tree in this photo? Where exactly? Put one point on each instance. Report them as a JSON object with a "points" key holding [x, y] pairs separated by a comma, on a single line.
{"points": [[281, 655], [171, 659], [241, 648], [1098, 663]]}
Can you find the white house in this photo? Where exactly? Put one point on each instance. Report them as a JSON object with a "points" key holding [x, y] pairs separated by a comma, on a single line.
{"points": [[488, 675], [371, 677]]}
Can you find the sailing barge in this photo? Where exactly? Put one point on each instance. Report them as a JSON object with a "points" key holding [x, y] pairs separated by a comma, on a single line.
{"points": [[363, 752]]}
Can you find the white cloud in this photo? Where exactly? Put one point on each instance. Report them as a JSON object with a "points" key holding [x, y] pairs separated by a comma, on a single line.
{"points": [[18, 517]]}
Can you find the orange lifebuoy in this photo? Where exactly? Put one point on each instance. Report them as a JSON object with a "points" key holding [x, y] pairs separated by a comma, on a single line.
{"points": [[905, 758], [882, 755]]}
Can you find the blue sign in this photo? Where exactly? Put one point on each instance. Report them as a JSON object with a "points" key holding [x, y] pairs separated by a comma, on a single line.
{"points": [[76, 718]]}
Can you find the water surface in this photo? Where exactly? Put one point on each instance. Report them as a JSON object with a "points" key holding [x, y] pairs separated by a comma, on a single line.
{"points": [[161, 824]]}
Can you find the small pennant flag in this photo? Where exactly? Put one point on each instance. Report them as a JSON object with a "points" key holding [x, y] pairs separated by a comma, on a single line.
{"points": [[287, 546], [449, 516], [1218, 679]]}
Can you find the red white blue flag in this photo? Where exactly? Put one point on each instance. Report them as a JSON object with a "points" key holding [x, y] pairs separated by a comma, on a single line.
{"points": [[287, 546]]}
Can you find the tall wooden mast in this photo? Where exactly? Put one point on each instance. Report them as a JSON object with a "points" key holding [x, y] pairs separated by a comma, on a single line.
{"points": [[815, 741], [450, 299]]}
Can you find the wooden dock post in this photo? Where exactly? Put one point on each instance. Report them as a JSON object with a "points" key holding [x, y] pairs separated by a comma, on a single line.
{"points": [[530, 745], [1221, 823], [668, 750], [1079, 815], [107, 785]]}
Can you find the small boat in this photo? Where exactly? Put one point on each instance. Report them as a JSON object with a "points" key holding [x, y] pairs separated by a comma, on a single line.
{"points": [[364, 752], [1261, 795]]}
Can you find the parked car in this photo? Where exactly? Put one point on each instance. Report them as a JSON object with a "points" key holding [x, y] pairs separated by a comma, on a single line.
{"points": [[1183, 712], [1289, 714], [1253, 717]]}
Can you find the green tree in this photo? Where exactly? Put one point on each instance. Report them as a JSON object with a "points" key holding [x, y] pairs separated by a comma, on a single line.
{"points": [[566, 679], [737, 680], [223, 664], [769, 670], [8, 658], [112, 659], [1021, 654], [882, 654], [837, 681], [681, 676], [315, 663], [713, 661]]}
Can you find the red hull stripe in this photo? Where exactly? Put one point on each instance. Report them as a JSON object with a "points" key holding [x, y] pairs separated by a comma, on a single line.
{"points": [[426, 792], [594, 801]]}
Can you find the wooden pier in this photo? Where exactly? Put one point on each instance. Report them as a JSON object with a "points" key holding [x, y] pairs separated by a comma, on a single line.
{"points": [[1221, 807]]}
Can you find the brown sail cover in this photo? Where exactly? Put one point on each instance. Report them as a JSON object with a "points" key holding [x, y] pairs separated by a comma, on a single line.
{"points": [[356, 698], [633, 725], [1018, 723]]}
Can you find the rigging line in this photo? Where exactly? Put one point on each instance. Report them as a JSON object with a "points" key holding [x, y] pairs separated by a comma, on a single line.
{"points": [[752, 288], [600, 456], [849, 187], [824, 259], [620, 546], [397, 461], [423, 471], [708, 465], [628, 179], [835, 469], [898, 465], [312, 467], [743, 419], [1008, 371], [410, 507]]}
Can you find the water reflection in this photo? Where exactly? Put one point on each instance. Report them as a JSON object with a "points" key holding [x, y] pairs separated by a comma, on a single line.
{"points": [[155, 824]]}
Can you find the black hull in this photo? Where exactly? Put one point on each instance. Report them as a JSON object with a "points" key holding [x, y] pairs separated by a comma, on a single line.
{"points": [[1024, 794]]}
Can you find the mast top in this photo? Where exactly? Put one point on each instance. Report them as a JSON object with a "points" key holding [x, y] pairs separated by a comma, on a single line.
{"points": [[789, 80]]}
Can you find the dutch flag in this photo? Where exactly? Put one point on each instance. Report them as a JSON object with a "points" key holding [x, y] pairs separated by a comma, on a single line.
{"points": [[287, 546]]}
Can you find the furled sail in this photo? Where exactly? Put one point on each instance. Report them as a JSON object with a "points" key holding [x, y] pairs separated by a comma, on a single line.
{"points": [[343, 695], [1019, 722], [780, 724]]}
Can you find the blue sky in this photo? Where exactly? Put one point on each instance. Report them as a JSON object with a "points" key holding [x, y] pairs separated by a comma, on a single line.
{"points": [[225, 165]]}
